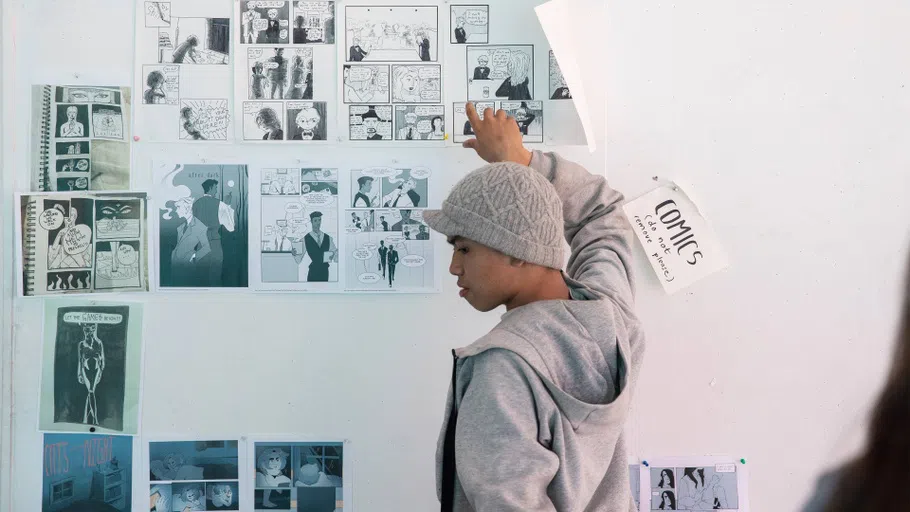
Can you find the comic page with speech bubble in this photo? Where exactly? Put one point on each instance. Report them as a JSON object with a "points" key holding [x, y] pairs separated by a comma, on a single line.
{"points": [[391, 33], [370, 122], [202, 226], [90, 376], [83, 243], [469, 24], [529, 116], [365, 83], [420, 122], [559, 90], [416, 83], [263, 120], [500, 72], [313, 22], [272, 22], [182, 70], [461, 126]]}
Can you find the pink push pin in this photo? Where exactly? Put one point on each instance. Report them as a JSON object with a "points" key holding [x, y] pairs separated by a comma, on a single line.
{"points": [[136, 138]]}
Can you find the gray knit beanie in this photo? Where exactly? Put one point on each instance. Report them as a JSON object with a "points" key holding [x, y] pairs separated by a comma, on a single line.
{"points": [[508, 207]]}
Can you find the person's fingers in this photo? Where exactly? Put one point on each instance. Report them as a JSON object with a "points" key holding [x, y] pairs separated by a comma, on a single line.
{"points": [[470, 144], [473, 118], [488, 113], [502, 115]]}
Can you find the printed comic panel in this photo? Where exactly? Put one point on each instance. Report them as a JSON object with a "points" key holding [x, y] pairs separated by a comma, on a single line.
{"points": [[157, 14], [263, 120], [370, 122], [461, 126], [420, 122], [392, 33], [162, 84], [314, 22], [195, 41], [470, 24], [559, 90], [265, 22], [416, 83], [529, 116], [366, 83], [500, 72], [204, 119], [306, 120], [280, 73]]}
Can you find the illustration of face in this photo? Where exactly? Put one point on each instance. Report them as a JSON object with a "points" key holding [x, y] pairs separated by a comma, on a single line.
{"points": [[405, 215], [317, 223], [223, 495], [366, 186], [71, 113], [371, 123], [460, 22], [71, 220], [308, 119], [250, 6], [191, 496], [409, 184], [482, 60], [521, 114], [89, 330], [171, 463], [409, 82], [279, 52], [273, 14]]}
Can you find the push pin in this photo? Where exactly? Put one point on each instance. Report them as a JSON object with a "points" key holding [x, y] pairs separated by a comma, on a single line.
{"points": [[136, 138], [645, 463], [445, 137], [742, 461]]}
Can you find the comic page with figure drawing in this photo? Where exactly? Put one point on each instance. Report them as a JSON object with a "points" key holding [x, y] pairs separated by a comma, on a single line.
{"points": [[182, 70], [298, 231], [308, 473], [696, 483], [469, 24], [194, 475], [202, 225], [76, 466], [83, 243], [91, 367]]}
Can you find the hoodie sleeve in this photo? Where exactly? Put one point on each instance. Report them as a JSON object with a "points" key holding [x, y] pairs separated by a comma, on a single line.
{"points": [[595, 227], [501, 464]]}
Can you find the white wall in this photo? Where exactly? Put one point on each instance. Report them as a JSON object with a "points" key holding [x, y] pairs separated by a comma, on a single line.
{"points": [[789, 121]]}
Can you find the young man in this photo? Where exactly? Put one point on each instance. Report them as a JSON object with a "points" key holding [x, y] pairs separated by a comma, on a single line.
{"points": [[535, 415]]}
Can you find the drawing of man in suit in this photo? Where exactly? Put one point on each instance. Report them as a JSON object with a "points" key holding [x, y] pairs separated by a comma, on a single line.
{"points": [[192, 246], [357, 53], [383, 253], [250, 34], [371, 123], [321, 249], [461, 36], [214, 214], [482, 72], [393, 260]]}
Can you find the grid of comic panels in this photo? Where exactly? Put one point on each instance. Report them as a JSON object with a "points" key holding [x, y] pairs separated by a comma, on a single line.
{"points": [[305, 477], [387, 242], [699, 488], [193, 475]]}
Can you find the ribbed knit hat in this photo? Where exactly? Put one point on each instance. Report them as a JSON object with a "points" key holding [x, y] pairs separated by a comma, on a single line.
{"points": [[508, 207]]}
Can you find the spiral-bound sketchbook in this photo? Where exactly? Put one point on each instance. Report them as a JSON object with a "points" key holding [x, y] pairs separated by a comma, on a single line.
{"points": [[83, 242], [80, 138]]}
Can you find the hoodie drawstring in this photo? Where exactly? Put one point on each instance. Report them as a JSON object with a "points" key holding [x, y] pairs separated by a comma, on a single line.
{"points": [[448, 451]]}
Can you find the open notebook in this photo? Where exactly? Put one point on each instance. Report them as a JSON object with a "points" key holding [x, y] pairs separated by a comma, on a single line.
{"points": [[80, 136], [83, 242]]}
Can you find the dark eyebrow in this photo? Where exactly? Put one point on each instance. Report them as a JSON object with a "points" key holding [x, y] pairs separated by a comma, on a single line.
{"points": [[453, 239]]}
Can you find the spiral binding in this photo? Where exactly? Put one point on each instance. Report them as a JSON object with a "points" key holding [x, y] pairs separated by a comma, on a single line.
{"points": [[28, 259], [45, 150]]}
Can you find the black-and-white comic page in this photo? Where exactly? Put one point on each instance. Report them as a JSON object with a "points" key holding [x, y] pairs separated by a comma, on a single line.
{"points": [[284, 70], [390, 76], [497, 56], [183, 70]]}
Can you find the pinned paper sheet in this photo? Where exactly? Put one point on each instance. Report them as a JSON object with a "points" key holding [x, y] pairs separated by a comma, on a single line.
{"points": [[681, 246], [693, 483]]}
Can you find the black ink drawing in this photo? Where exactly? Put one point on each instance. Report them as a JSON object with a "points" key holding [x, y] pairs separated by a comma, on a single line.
{"points": [[306, 120], [470, 24], [558, 88], [197, 461], [461, 126], [117, 264], [366, 186], [391, 33], [390, 259], [162, 84], [505, 72], [314, 22], [299, 234], [188, 496], [265, 22], [87, 472], [70, 165], [420, 122], [280, 182], [117, 218], [667, 480], [204, 119], [70, 233], [203, 226], [72, 184], [195, 41], [90, 365], [370, 122], [69, 280], [416, 83], [75, 94], [107, 122], [74, 147], [157, 14], [72, 120], [308, 474], [263, 120], [221, 496], [275, 74], [667, 501], [405, 188], [693, 488], [529, 116], [366, 83]]}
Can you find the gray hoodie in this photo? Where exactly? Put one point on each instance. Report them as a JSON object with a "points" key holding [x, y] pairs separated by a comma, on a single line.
{"points": [[542, 399]]}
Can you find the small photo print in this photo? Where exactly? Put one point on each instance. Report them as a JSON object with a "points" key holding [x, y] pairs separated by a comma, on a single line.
{"points": [[529, 116], [306, 120], [265, 22], [420, 122], [370, 122], [263, 120], [78, 468], [461, 126], [72, 121], [299, 476], [107, 122], [416, 83], [470, 24], [314, 22], [162, 84], [204, 119], [68, 165], [157, 14]]}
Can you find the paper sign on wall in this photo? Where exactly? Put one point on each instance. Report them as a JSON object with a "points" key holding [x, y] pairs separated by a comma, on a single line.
{"points": [[681, 246]]}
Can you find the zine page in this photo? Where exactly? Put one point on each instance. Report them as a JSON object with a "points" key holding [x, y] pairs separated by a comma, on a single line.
{"points": [[91, 368], [80, 138], [300, 475], [284, 79], [391, 73], [83, 243], [87, 472], [693, 483], [194, 475], [681, 246], [202, 226], [183, 57], [298, 229]]}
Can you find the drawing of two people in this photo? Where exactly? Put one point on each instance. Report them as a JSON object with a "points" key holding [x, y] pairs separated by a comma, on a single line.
{"points": [[198, 257]]}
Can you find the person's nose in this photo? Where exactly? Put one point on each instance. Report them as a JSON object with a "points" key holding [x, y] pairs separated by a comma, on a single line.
{"points": [[455, 268]]}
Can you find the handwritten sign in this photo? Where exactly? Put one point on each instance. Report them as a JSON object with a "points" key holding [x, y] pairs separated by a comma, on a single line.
{"points": [[681, 246]]}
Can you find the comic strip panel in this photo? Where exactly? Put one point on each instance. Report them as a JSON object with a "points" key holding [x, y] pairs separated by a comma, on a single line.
{"points": [[162, 84], [306, 120], [558, 88], [309, 474], [107, 122], [76, 464], [300, 235], [366, 186], [405, 188], [157, 14], [76, 94], [195, 41], [263, 120], [117, 218], [117, 264], [71, 184], [280, 73], [222, 496], [461, 126], [76, 147], [70, 232], [265, 22], [73, 165], [366, 83], [72, 121], [69, 280], [383, 260], [176, 461], [420, 122], [529, 116], [202, 226], [503, 72], [416, 83], [280, 182], [370, 122], [383, 33], [470, 24], [694, 488], [204, 119], [314, 22]]}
